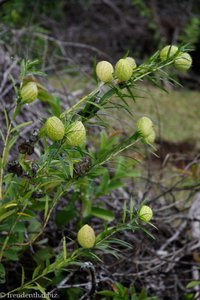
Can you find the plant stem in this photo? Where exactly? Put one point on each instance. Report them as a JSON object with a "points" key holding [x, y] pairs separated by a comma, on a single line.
{"points": [[105, 98], [5, 151], [43, 274], [84, 99], [45, 222], [7, 238]]}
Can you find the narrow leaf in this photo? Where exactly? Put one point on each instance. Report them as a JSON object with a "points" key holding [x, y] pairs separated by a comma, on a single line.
{"points": [[64, 248], [20, 126], [102, 213]]}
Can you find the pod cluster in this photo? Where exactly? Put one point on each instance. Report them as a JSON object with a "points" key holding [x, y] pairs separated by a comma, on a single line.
{"points": [[123, 70], [145, 128], [74, 134], [182, 60]]}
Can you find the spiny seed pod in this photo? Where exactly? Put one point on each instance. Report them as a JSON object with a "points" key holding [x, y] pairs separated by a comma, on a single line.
{"points": [[150, 139], [144, 126], [123, 70], [29, 92], [75, 134], [183, 61], [104, 71], [145, 213], [168, 52], [54, 129], [131, 62], [86, 237]]}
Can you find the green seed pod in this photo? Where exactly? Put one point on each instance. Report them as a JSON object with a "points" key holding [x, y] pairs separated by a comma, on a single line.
{"points": [[104, 71], [145, 213], [86, 237], [144, 126], [168, 52], [29, 92], [54, 129], [123, 70], [150, 139], [131, 62], [75, 134], [183, 62]]}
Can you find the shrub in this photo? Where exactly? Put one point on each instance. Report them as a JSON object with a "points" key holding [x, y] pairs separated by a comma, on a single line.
{"points": [[31, 188]]}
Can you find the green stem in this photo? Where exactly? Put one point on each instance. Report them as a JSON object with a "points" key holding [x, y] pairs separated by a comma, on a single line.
{"points": [[7, 238], [118, 149], [47, 271], [10, 232], [107, 96], [5, 151], [84, 99]]}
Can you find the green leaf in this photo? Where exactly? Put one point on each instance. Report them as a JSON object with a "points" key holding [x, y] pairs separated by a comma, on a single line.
{"points": [[4, 214], [43, 292], [34, 228], [192, 284], [107, 293], [33, 63], [23, 277], [11, 255], [9, 146], [22, 69], [20, 126], [36, 271], [6, 118], [2, 136], [52, 100], [64, 216], [64, 248], [46, 207], [102, 213], [124, 212], [2, 274]]}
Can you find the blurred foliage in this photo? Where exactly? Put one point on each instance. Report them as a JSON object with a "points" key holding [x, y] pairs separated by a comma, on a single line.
{"points": [[191, 32], [20, 13], [35, 28], [120, 292]]}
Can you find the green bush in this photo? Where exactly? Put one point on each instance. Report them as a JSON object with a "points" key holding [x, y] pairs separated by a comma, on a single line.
{"points": [[68, 168]]}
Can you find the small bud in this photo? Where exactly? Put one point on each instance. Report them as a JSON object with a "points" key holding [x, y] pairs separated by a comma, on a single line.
{"points": [[104, 71], [29, 92], [145, 213], [144, 126], [183, 62], [168, 52], [75, 134], [150, 139], [123, 70], [86, 237], [131, 62], [54, 129]]}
